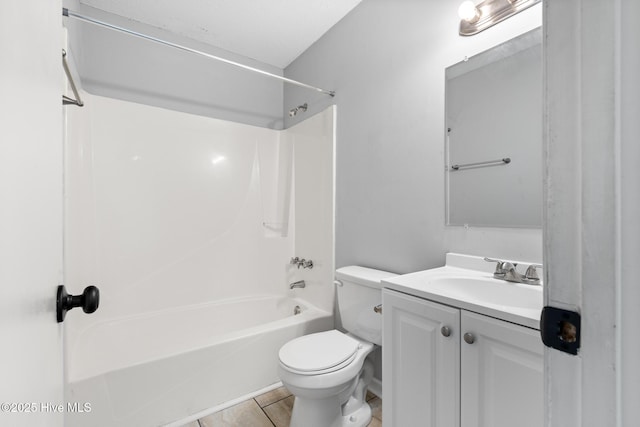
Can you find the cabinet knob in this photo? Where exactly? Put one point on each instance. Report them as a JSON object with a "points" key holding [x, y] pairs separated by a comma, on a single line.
{"points": [[446, 331], [469, 338]]}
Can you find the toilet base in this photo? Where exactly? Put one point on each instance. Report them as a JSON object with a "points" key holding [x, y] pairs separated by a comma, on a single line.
{"points": [[359, 418], [346, 408], [327, 413]]}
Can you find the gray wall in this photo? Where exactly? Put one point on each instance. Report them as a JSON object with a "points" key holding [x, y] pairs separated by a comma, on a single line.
{"points": [[386, 61], [132, 69]]}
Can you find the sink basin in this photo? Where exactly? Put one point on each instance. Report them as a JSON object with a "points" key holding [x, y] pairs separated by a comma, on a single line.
{"points": [[489, 291], [474, 290]]}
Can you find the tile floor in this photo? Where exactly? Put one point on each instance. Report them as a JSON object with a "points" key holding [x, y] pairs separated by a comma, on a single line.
{"points": [[272, 409]]}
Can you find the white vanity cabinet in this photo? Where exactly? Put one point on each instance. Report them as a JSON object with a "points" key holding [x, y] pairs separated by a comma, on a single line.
{"points": [[420, 366], [501, 372], [435, 376]]}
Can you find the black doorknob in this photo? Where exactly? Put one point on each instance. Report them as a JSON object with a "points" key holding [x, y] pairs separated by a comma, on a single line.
{"points": [[89, 301]]}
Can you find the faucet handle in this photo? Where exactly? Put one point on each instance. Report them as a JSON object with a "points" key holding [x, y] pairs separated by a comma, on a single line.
{"points": [[299, 262], [500, 270], [532, 273]]}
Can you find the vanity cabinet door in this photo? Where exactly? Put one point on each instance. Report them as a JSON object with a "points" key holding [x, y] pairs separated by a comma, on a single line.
{"points": [[420, 362], [501, 369]]}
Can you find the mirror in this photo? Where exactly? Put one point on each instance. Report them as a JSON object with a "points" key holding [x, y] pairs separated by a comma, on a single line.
{"points": [[493, 143]]}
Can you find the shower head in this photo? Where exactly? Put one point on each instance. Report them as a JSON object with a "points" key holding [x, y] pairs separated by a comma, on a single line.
{"points": [[294, 111]]}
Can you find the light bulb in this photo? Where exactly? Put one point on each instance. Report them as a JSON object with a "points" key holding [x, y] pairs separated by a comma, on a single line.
{"points": [[468, 11]]}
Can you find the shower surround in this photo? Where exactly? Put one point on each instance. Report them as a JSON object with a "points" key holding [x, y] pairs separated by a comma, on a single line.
{"points": [[187, 225]]}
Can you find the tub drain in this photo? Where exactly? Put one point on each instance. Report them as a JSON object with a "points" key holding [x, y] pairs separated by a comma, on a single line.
{"points": [[297, 310]]}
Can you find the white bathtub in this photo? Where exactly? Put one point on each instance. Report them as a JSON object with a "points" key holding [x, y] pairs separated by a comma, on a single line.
{"points": [[162, 367]]}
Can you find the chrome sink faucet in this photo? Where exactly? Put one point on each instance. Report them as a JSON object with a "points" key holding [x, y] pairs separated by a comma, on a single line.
{"points": [[506, 270]]}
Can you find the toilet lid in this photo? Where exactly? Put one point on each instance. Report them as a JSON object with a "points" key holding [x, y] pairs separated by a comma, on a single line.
{"points": [[318, 352]]}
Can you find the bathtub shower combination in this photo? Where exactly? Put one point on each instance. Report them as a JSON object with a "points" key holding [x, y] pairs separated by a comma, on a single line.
{"points": [[188, 224]]}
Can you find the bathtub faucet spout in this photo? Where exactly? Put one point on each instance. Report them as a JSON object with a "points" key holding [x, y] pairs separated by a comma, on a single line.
{"points": [[298, 284]]}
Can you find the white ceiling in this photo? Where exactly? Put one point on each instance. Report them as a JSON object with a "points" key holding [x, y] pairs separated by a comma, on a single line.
{"points": [[271, 31]]}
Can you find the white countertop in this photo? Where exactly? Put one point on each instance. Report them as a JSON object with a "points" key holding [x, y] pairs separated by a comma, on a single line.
{"points": [[467, 282]]}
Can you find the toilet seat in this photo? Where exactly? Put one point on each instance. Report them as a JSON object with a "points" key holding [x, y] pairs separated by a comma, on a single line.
{"points": [[319, 353]]}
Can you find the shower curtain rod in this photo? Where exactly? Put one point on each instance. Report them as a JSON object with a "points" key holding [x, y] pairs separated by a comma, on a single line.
{"points": [[70, 13]]}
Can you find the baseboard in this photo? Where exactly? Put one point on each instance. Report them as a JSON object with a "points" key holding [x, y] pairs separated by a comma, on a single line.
{"points": [[222, 406], [376, 387]]}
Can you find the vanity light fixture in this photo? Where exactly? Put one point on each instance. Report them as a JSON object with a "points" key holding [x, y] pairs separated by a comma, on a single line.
{"points": [[468, 12], [476, 18]]}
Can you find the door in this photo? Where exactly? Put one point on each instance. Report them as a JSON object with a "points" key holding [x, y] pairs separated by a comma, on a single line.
{"points": [[592, 232], [420, 362], [31, 377], [501, 368]]}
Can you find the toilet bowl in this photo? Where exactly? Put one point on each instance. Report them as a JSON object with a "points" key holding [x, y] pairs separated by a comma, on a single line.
{"points": [[328, 372]]}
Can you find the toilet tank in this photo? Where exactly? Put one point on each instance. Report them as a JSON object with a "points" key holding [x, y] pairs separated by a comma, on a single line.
{"points": [[359, 291]]}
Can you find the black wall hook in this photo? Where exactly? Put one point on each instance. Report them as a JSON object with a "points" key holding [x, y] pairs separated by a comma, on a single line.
{"points": [[89, 301]]}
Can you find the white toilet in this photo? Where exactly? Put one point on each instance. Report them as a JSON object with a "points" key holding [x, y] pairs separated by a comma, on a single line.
{"points": [[328, 372]]}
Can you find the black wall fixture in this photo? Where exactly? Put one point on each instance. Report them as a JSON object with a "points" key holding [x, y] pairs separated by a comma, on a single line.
{"points": [[560, 329]]}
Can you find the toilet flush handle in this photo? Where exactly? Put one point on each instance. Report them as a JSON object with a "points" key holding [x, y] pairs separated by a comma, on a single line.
{"points": [[378, 308]]}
